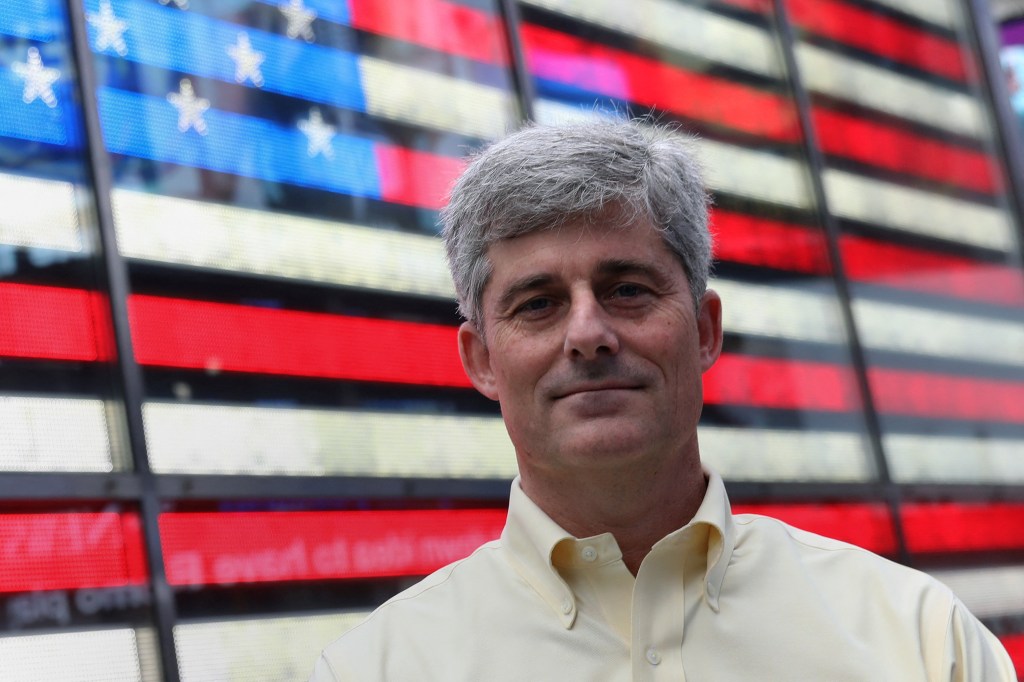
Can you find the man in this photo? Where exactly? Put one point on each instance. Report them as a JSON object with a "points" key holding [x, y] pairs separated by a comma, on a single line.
{"points": [[580, 256]]}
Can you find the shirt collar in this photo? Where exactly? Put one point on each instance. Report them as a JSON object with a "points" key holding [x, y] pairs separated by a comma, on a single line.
{"points": [[531, 537]]}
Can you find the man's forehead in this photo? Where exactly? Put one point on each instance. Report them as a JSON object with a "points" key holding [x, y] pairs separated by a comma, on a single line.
{"points": [[543, 261]]}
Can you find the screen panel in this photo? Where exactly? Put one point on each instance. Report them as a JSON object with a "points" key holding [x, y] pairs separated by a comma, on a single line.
{"points": [[279, 648], [1011, 57], [932, 251], [927, 190], [277, 172], [227, 548], [96, 655], [49, 255], [74, 594], [278, 167]]}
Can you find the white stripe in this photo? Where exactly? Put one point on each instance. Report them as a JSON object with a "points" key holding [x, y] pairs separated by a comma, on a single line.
{"points": [[987, 592], [280, 649], [948, 459], [844, 78], [426, 98], [912, 210], [941, 12], [89, 656], [219, 237], [759, 175], [806, 314], [54, 434], [688, 29], [223, 439], [785, 455], [553, 112], [909, 329], [728, 168], [42, 213], [228, 439]]}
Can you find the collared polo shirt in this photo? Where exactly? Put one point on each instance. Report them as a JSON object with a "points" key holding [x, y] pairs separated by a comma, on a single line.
{"points": [[726, 597]]}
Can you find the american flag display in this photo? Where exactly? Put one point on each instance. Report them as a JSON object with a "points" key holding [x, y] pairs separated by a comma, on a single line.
{"points": [[304, 442]]}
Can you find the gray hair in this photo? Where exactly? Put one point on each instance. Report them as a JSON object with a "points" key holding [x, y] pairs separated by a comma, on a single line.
{"points": [[542, 177]]}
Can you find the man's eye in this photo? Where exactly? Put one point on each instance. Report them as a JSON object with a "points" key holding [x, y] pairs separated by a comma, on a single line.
{"points": [[628, 290], [535, 305]]}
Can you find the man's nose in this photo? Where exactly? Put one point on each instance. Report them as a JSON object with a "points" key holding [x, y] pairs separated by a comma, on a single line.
{"points": [[590, 330]]}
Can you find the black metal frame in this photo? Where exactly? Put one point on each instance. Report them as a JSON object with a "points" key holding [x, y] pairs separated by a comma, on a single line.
{"points": [[1009, 140], [525, 93], [129, 373], [816, 166]]}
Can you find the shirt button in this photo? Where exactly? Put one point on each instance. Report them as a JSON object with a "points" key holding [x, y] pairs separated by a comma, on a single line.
{"points": [[589, 553], [653, 657], [566, 606]]}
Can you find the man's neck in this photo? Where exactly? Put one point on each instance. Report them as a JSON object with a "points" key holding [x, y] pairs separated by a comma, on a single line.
{"points": [[639, 510]]}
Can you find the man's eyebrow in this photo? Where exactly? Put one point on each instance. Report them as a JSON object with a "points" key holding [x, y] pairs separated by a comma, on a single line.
{"points": [[624, 266], [516, 288]]}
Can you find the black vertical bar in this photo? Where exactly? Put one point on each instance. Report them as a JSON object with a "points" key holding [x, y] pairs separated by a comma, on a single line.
{"points": [[816, 167], [1008, 135], [524, 85], [116, 271]]}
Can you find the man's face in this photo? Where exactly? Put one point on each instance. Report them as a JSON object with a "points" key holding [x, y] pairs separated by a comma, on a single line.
{"points": [[592, 348]]}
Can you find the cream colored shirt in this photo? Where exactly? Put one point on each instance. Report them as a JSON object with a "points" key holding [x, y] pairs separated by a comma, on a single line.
{"points": [[725, 597]]}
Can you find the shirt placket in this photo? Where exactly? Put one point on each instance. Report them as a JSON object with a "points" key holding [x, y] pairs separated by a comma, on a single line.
{"points": [[658, 619]]}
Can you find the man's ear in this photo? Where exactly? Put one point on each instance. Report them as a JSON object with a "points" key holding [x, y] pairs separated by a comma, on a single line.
{"points": [[709, 326], [476, 360]]}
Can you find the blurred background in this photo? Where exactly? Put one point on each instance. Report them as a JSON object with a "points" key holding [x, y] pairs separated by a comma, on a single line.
{"points": [[232, 414]]}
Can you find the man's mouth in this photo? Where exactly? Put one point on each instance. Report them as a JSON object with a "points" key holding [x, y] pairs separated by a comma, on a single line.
{"points": [[595, 387]]}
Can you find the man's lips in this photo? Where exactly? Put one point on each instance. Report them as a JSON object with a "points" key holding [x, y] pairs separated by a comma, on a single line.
{"points": [[593, 388]]}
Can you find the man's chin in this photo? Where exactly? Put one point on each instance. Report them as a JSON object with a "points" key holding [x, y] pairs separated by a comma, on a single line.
{"points": [[604, 440]]}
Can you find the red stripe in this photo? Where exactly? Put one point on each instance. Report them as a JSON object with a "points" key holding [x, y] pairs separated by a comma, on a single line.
{"points": [[444, 26], [70, 551], [254, 547], [760, 6], [606, 71], [963, 527], [743, 238], [880, 35], [867, 525], [923, 394], [897, 150], [54, 323], [415, 178], [1015, 647], [225, 337], [784, 384], [877, 262]]}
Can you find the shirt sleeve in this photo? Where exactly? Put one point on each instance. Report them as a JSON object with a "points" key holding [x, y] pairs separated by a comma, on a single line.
{"points": [[975, 654]]}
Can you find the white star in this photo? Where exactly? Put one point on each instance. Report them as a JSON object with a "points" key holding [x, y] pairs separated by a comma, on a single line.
{"points": [[180, 4], [319, 133], [299, 19], [38, 79], [110, 28], [190, 108], [247, 61]]}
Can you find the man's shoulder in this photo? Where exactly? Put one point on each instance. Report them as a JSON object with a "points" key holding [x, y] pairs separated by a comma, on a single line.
{"points": [[895, 618], [429, 619], [450, 581], [444, 588], [833, 559]]}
